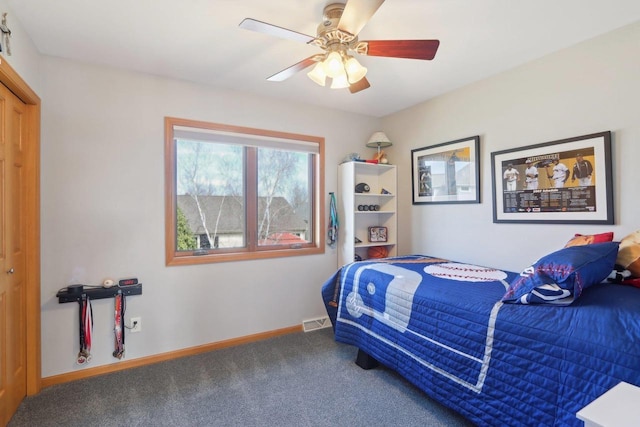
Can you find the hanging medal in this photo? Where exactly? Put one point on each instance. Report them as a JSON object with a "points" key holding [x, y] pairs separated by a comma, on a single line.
{"points": [[85, 319]]}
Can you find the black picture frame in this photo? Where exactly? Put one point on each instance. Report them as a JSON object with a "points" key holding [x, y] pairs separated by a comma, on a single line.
{"points": [[447, 172], [562, 194]]}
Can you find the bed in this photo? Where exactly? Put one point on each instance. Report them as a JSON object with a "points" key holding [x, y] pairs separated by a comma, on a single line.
{"points": [[499, 347]]}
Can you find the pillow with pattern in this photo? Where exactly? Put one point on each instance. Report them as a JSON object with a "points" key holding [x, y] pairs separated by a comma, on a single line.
{"points": [[560, 277], [588, 239]]}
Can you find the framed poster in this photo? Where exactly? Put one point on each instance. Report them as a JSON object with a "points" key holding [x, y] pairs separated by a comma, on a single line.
{"points": [[447, 173], [566, 182]]}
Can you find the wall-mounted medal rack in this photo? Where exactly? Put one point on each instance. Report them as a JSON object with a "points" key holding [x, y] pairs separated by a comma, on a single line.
{"points": [[74, 293]]}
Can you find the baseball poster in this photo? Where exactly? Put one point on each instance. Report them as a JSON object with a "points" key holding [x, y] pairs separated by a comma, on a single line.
{"points": [[563, 181]]}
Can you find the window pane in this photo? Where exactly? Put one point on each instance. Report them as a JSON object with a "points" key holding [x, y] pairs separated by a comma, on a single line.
{"points": [[284, 197], [210, 193]]}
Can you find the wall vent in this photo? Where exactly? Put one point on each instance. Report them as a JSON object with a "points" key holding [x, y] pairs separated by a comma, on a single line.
{"points": [[315, 324]]}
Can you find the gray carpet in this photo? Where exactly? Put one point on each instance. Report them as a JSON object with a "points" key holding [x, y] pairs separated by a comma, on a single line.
{"points": [[301, 379]]}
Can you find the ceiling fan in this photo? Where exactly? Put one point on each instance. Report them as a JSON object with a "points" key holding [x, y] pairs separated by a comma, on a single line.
{"points": [[337, 36]]}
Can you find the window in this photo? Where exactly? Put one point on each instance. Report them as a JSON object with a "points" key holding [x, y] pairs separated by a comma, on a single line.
{"points": [[235, 193]]}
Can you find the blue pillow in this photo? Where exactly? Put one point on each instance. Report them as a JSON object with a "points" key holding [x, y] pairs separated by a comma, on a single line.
{"points": [[560, 277]]}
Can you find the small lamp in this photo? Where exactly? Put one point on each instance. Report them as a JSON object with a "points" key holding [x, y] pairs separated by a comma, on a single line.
{"points": [[379, 140]]}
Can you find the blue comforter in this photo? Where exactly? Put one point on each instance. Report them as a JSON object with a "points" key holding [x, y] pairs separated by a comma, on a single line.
{"points": [[442, 325]]}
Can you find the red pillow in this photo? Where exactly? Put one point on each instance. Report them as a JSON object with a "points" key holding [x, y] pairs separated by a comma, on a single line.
{"points": [[587, 239], [633, 281]]}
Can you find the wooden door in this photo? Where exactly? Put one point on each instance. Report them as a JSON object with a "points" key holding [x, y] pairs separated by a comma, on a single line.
{"points": [[13, 373]]}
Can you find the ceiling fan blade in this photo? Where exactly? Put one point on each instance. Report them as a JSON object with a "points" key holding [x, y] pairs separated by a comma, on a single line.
{"points": [[295, 68], [361, 84], [412, 49], [274, 30], [356, 14]]}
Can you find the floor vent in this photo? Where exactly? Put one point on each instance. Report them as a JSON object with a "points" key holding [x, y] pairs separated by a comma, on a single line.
{"points": [[315, 324]]}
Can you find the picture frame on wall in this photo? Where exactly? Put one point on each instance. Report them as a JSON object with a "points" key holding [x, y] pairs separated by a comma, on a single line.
{"points": [[447, 172], [568, 181]]}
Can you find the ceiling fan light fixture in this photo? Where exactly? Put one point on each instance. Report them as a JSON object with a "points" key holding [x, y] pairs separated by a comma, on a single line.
{"points": [[337, 35], [317, 74], [333, 65], [355, 71]]}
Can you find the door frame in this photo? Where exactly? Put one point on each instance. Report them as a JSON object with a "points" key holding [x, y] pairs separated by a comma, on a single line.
{"points": [[21, 89]]}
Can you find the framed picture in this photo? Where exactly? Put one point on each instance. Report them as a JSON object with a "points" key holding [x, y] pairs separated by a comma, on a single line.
{"points": [[566, 182], [447, 173], [377, 234]]}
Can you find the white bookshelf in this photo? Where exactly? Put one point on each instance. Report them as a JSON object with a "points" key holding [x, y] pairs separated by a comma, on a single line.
{"points": [[355, 223]]}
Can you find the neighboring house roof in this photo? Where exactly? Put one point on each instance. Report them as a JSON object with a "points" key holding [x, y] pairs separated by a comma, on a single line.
{"points": [[281, 239], [228, 212]]}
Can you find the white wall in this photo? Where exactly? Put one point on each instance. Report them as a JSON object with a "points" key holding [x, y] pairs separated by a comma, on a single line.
{"points": [[589, 88], [103, 214]]}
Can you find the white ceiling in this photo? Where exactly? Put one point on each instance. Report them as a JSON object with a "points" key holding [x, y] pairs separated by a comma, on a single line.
{"points": [[200, 41]]}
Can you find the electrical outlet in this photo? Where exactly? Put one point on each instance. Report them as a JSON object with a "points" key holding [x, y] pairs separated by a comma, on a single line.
{"points": [[136, 324]]}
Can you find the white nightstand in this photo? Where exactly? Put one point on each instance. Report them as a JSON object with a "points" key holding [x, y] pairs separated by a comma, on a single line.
{"points": [[618, 407]]}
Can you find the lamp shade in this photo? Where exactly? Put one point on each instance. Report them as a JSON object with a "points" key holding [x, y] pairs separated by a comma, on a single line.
{"points": [[333, 65], [340, 81], [317, 74], [379, 140], [355, 71]]}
